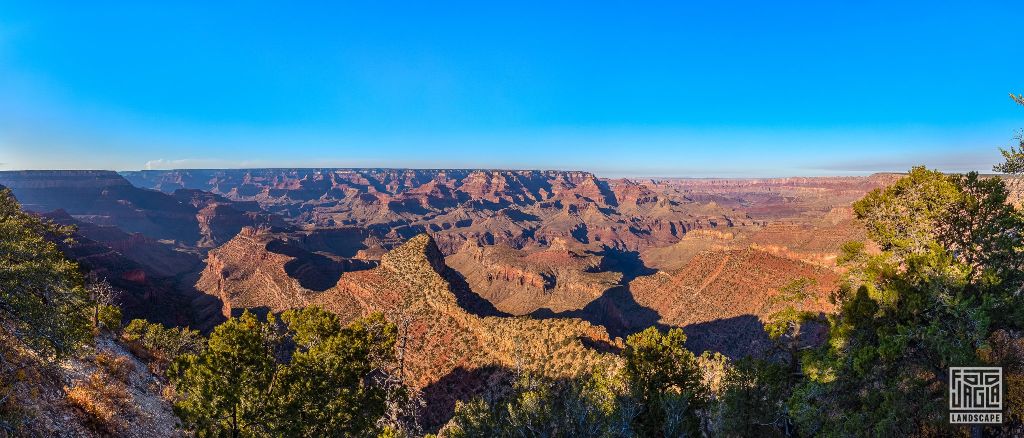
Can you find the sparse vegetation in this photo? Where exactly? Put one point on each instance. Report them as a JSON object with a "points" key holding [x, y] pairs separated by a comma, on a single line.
{"points": [[658, 389], [102, 400], [43, 305], [116, 366], [105, 313], [160, 345]]}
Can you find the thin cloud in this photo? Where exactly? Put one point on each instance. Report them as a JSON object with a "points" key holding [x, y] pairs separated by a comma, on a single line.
{"points": [[196, 163]]}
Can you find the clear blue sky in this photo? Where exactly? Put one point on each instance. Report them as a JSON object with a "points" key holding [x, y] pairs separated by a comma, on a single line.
{"points": [[620, 88]]}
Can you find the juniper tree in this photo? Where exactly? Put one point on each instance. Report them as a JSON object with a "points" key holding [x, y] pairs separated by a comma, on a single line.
{"points": [[594, 405], [755, 390]]}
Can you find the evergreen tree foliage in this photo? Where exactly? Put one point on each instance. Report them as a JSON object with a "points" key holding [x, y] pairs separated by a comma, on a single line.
{"points": [[225, 388], [753, 400], [597, 405], [43, 302], [667, 381], [305, 375], [161, 344], [755, 391], [329, 387], [947, 277]]}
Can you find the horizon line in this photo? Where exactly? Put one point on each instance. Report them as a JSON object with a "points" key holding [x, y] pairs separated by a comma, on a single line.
{"points": [[860, 174]]}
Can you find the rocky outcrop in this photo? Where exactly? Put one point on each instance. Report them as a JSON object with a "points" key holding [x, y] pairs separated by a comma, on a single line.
{"points": [[1016, 186], [411, 287], [457, 257], [250, 272], [28, 180], [722, 296], [521, 242], [188, 217], [154, 280], [220, 219], [521, 282], [517, 208]]}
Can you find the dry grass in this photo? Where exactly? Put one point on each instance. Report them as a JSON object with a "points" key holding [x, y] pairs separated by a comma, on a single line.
{"points": [[119, 367], [102, 401], [22, 377]]}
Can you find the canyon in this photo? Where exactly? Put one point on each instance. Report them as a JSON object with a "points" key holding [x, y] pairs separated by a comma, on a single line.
{"points": [[485, 272]]}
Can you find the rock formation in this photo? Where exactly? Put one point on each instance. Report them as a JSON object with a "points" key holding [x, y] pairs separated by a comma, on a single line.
{"points": [[443, 330], [521, 282], [483, 271], [104, 198]]}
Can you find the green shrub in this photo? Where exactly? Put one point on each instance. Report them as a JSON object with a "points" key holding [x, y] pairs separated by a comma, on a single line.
{"points": [[239, 385], [161, 344], [110, 318]]}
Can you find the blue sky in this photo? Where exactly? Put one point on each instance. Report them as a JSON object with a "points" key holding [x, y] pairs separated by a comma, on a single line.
{"points": [[618, 88]]}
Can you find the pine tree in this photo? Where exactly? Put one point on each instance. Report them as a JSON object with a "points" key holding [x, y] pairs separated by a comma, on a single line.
{"points": [[224, 389], [948, 276], [666, 380], [43, 302], [331, 386], [753, 400], [305, 375]]}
